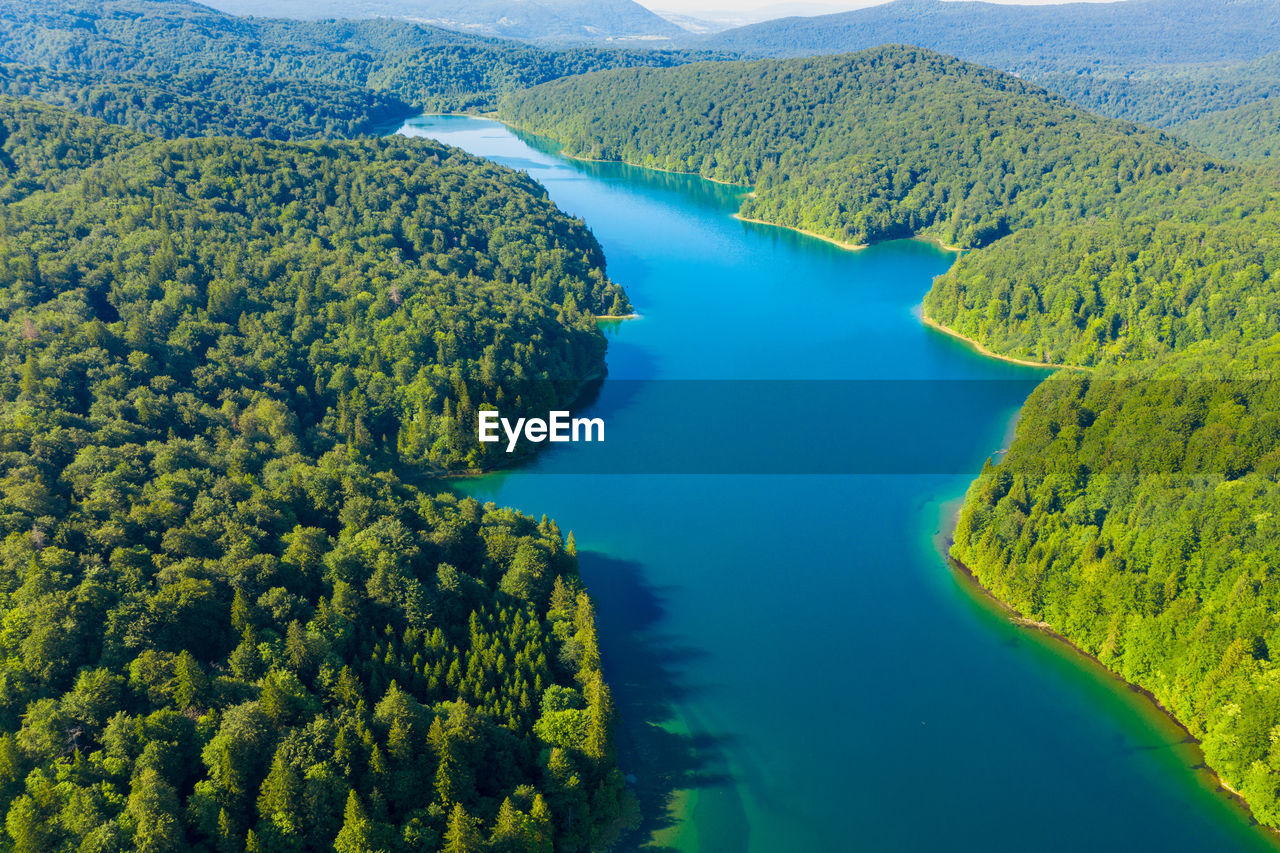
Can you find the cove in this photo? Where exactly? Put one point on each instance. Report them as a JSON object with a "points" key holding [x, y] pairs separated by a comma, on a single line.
{"points": [[795, 666]]}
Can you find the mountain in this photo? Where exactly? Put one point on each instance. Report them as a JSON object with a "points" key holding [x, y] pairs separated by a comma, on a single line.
{"points": [[1158, 62], [536, 21], [177, 68], [1030, 38]]}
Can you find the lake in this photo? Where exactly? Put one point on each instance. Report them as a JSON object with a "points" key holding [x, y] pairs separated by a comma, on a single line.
{"points": [[795, 665]]}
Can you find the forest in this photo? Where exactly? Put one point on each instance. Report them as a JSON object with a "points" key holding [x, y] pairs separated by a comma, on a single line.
{"points": [[1135, 513], [1134, 510], [210, 103], [111, 57], [1251, 132], [228, 625], [1068, 209], [1156, 62]]}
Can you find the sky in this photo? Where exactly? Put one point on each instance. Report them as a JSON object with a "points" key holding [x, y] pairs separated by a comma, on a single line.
{"points": [[692, 7]]}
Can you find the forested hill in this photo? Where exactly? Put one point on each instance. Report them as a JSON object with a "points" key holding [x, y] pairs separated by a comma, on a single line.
{"points": [[227, 626], [898, 141], [884, 143], [1029, 38], [1251, 132], [1159, 62], [180, 69], [539, 21]]}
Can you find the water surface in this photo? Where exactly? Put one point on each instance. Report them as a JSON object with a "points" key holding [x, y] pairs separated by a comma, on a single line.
{"points": [[796, 667]]}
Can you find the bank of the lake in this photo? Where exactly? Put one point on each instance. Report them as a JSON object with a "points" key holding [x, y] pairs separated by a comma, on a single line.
{"points": [[794, 667], [1144, 701], [981, 348]]}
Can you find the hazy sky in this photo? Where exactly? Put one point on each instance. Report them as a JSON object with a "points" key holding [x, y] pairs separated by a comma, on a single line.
{"points": [[692, 7]]}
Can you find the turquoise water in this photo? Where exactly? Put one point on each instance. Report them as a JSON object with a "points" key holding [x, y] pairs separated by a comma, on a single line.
{"points": [[796, 667]]}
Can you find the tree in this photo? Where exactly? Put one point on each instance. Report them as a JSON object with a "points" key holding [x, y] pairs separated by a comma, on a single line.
{"points": [[463, 834]]}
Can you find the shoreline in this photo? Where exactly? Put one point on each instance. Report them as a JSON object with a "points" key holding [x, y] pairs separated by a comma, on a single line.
{"points": [[749, 193], [983, 350], [943, 540], [582, 159], [518, 461], [937, 241], [1019, 619], [848, 247]]}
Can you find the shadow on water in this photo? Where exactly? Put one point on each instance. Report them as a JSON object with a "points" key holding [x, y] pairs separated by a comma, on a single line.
{"points": [[646, 670]]}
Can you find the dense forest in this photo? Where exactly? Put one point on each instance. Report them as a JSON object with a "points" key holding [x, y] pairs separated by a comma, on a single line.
{"points": [[227, 625], [1157, 62], [210, 103], [262, 73], [1072, 208], [1245, 133], [1027, 38], [1169, 96], [834, 144], [551, 22], [1133, 511]]}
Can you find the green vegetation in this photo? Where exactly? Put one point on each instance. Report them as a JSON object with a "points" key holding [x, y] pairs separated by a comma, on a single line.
{"points": [[1100, 241], [210, 103], [1105, 292], [1134, 510], [544, 21], [1245, 133], [151, 61], [1169, 96], [1136, 514], [1157, 62], [227, 625], [1028, 38]]}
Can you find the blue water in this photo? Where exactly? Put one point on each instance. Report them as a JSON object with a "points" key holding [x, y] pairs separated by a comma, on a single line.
{"points": [[795, 665]]}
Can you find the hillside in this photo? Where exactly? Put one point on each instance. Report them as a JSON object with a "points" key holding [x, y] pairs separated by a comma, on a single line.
{"points": [[262, 76], [537, 21], [229, 626], [1151, 61], [1133, 511], [1030, 38], [1250, 132], [834, 145]]}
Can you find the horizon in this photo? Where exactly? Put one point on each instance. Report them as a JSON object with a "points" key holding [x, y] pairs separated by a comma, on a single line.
{"points": [[801, 8]]}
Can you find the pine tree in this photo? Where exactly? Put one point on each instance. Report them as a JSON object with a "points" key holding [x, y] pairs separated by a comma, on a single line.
{"points": [[463, 834], [190, 682], [280, 805], [509, 831], [542, 825], [599, 741], [358, 834], [585, 625]]}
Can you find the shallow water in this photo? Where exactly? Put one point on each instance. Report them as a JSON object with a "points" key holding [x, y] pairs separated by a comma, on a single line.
{"points": [[795, 665]]}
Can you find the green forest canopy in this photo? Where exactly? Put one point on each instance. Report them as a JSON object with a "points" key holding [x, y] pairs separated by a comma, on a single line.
{"points": [[1135, 509], [1158, 62], [899, 141], [227, 626], [177, 68]]}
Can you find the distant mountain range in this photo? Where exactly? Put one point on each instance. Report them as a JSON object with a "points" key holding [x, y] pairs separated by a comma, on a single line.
{"points": [[537, 21], [1158, 62], [1030, 38]]}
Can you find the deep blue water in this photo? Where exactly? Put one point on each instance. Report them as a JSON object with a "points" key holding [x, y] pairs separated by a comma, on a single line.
{"points": [[796, 667]]}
